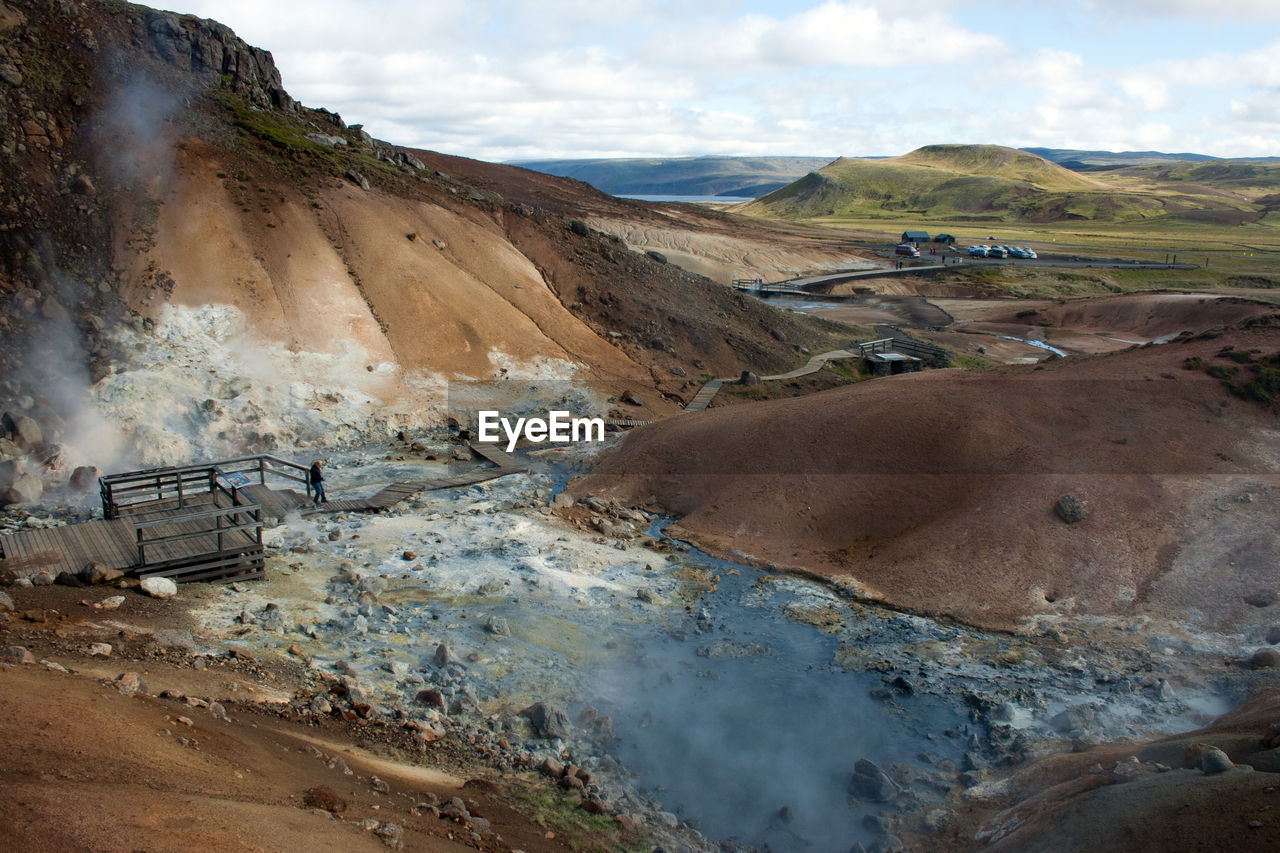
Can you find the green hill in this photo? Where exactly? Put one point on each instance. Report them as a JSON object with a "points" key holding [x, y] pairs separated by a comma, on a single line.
{"points": [[993, 183], [727, 176]]}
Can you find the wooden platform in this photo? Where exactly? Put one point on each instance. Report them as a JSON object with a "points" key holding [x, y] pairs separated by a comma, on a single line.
{"points": [[173, 539], [213, 535]]}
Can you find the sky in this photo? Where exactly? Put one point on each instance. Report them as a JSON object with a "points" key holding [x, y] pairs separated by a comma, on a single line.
{"points": [[504, 80]]}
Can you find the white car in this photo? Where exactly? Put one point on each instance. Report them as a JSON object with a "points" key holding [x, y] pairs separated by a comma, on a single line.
{"points": [[1028, 252], [978, 251]]}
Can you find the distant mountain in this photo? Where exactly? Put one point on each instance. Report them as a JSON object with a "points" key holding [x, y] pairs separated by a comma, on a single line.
{"points": [[1079, 160], [747, 177], [993, 183]]}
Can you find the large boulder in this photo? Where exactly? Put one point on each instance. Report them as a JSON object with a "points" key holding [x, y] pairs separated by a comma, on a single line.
{"points": [[96, 573], [548, 720], [85, 477], [25, 489], [22, 430]]}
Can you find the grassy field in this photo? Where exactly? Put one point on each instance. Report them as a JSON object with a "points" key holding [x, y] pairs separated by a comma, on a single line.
{"points": [[1224, 255]]}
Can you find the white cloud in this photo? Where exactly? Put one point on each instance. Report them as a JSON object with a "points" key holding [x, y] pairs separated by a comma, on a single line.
{"points": [[500, 79]]}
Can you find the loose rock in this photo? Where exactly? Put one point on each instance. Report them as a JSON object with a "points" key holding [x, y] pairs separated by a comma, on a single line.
{"points": [[1215, 761], [871, 783], [1070, 509], [161, 588]]}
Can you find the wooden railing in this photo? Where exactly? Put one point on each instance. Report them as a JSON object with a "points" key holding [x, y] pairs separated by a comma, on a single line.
{"points": [[928, 352], [122, 492], [197, 522], [222, 534]]}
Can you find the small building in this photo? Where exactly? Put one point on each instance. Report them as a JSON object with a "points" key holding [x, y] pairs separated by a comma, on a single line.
{"points": [[944, 238], [916, 237], [892, 363]]}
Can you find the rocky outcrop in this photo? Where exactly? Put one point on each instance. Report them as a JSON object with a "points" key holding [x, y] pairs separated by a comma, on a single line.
{"points": [[212, 51]]}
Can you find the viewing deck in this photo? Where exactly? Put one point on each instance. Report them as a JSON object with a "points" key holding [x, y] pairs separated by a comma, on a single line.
{"points": [[204, 522]]}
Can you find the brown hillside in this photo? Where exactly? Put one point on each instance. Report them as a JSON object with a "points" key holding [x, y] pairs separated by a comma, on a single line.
{"points": [[159, 166], [936, 491]]}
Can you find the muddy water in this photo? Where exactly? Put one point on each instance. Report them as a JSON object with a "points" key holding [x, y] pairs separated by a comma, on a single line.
{"points": [[740, 701]]}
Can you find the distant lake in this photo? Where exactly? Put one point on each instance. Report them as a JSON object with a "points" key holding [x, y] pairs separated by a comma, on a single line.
{"points": [[691, 199]]}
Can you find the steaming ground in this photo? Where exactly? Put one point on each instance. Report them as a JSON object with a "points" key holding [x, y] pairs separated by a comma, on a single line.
{"points": [[699, 689], [250, 395]]}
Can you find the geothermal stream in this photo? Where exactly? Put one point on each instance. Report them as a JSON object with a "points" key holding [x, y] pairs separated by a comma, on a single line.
{"points": [[716, 696]]}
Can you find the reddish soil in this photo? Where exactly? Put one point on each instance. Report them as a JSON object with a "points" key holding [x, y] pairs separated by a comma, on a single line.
{"points": [[88, 768], [936, 491]]}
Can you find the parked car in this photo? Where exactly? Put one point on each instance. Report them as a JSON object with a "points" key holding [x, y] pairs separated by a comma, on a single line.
{"points": [[1028, 252], [997, 252], [978, 251], [1016, 252], [907, 249]]}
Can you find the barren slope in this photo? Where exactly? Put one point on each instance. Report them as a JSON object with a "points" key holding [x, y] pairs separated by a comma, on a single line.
{"points": [[936, 491]]}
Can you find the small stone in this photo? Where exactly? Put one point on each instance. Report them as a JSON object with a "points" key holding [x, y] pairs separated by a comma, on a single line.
{"points": [[749, 378], [96, 573], [219, 712], [549, 721], [379, 785], [159, 587], [443, 657], [631, 398], [111, 603], [409, 556], [6, 603], [1070, 509], [431, 698], [324, 797], [100, 650], [1273, 635], [1265, 659], [1075, 717], [1166, 693], [497, 626], [869, 782], [129, 683], [16, 654], [392, 835], [1215, 761], [43, 579], [173, 638]]}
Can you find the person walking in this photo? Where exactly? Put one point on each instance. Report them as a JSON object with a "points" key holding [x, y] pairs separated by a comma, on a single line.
{"points": [[315, 484]]}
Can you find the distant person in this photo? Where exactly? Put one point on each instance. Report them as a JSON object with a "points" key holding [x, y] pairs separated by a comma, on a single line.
{"points": [[315, 484]]}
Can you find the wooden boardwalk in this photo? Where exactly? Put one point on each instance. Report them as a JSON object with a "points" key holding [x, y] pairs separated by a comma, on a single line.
{"points": [[704, 396], [176, 535], [114, 543]]}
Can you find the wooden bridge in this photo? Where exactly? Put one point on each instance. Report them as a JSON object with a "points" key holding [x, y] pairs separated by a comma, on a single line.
{"points": [[204, 522]]}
